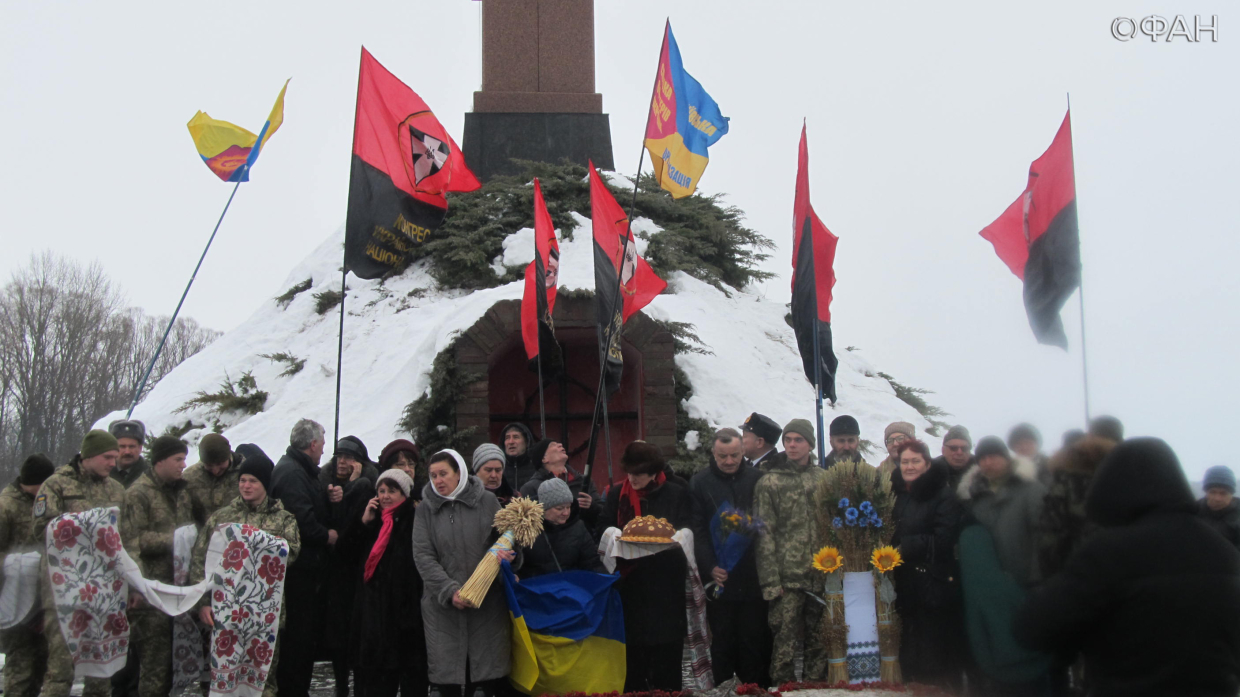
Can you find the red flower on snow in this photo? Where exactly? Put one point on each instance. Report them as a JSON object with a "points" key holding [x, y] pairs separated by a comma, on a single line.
{"points": [[117, 624], [259, 652], [58, 578], [65, 534], [272, 569], [108, 541], [88, 592], [226, 643], [79, 623], [235, 555]]}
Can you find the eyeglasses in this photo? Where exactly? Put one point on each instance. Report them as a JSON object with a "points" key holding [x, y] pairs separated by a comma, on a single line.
{"points": [[957, 448], [896, 439]]}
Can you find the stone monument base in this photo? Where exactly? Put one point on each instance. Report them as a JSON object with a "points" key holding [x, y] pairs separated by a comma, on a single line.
{"points": [[493, 140]]}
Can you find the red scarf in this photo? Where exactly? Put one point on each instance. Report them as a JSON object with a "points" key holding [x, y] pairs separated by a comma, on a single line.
{"points": [[376, 552], [633, 497]]}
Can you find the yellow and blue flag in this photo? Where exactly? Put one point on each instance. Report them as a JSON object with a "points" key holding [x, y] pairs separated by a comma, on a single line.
{"points": [[230, 150], [683, 122], [567, 633]]}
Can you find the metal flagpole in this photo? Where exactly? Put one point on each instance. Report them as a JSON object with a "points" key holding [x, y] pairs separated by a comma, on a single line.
{"points": [[818, 389], [344, 274], [1080, 289], [542, 409], [159, 349]]}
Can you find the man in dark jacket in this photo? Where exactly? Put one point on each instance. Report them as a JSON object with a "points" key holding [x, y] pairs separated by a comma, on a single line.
{"points": [[517, 439], [295, 482], [760, 435], [957, 455], [564, 544], [552, 461], [1152, 600], [740, 638], [845, 441], [1219, 508]]}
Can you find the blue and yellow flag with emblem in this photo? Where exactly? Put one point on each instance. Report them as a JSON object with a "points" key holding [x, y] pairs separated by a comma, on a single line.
{"points": [[230, 150], [683, 122], [567, 633]]}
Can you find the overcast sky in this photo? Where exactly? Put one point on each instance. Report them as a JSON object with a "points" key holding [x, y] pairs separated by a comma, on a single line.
{"points": [[923, 118]]}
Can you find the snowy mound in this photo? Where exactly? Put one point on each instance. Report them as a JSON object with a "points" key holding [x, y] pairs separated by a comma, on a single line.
{"points": [[394, 330]]}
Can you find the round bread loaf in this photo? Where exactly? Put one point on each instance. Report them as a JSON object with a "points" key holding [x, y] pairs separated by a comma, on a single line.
{"points": [[648, 529]]}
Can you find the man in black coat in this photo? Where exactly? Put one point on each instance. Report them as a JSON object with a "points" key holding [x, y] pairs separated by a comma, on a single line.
{"points": [[957, 455], [1152, 599], [1219, 508], [740, 637], [760, 436], [551, 460], [295, 482], [516, 440]]}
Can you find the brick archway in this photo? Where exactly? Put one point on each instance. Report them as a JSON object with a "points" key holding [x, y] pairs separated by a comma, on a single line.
{"points": [[506, 391]]}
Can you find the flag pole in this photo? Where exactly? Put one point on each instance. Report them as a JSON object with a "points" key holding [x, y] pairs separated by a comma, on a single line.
{"points": [[818, 388], [1080, 289], [167, 330], [542, 409], [344, 274]]}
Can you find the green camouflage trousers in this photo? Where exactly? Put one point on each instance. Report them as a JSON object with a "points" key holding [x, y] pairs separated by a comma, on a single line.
{"points": [[150, 634], [25, 661], [59, 678], [796, 619]]}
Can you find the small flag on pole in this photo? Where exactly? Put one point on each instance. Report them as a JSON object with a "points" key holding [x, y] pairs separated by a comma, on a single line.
{"points": [[230, 150], [541, 282], [683, 122]]}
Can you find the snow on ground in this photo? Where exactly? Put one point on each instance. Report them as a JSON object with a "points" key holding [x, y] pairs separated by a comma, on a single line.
{"points": [[394, 330]]}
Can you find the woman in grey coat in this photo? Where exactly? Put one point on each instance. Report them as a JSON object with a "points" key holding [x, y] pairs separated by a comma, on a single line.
{"points": [[468, 648]]}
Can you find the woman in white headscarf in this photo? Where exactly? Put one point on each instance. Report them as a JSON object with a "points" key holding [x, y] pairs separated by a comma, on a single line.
{"points": [[468, 648]]}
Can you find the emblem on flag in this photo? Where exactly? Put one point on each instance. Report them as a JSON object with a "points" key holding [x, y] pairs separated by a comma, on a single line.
{"points": [[427, 154]]}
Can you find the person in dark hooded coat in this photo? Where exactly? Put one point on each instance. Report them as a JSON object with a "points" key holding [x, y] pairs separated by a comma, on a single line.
{"points": [[1219, 508], [551, 460], [1152, 600], [927, 518], [516, 439]]}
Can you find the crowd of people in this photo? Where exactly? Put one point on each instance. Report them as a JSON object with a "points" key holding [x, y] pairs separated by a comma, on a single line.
{"points": [[1090, 570]]}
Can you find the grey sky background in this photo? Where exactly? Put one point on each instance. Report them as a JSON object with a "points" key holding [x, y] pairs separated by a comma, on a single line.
{"points": [[923, 119]]}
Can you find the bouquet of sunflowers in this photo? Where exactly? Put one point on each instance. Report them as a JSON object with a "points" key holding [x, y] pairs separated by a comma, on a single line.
{"points": [[732, 531]]}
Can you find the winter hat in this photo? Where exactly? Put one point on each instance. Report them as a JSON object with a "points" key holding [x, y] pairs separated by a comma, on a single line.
{"points": [[128, 428], [246, 451], [958, 432], [397, 477], [460, 470], [763, 427], [641, 457], [35, 470], [399, 445], [1024, 432], [485, 453], [805, 429], [1139, 477], [98, 442], [1220, 475], [899, 427], [842, 426], [165, 447], [353, 445], [991, 445], [214, 449], [554, 492], [539, 450], [1107, 427], [259, 466]]}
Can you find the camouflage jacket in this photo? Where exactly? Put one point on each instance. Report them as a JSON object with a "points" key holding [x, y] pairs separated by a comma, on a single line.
{"points": [[17, 529], [130, 475], [153, 511], [268, 516], [72, 489], [785, 500], [208, 493]]}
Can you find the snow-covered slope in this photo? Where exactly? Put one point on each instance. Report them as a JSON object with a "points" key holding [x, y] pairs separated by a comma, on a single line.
{"points": [[394, 331]]}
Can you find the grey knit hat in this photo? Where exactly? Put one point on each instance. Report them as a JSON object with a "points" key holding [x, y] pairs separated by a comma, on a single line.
{"points": [[485, 453], [554, 492], [397, 477], [958, 432], [803, 428], [1220, 475]]}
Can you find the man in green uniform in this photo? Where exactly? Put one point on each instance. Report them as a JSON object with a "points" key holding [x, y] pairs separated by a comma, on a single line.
{"points": [[155, 506], [25, 646], [130, 435], [785, 500], [251, 507], [79, 486], [212, 482]]}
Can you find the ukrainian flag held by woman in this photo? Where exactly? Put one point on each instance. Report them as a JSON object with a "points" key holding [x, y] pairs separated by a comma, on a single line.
{"points": [[230, 150], [683, 122]]}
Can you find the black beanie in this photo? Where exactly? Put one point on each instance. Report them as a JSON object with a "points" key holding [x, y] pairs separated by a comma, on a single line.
{"points": [[641, 457], [259, 466], [538, 451], [165, 447], [991, 445], [845, 426], [35, 470]]}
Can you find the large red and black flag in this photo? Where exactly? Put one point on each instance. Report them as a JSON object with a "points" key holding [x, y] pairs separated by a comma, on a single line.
{"points": [[813, 277], [615, 254], [1038, 239], [541, 281], [404, 163]]}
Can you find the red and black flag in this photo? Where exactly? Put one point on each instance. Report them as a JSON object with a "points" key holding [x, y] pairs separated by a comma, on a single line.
{"points": [[813, 277], [404, 163], [541, 280], [1038, 239], [616, 254]]}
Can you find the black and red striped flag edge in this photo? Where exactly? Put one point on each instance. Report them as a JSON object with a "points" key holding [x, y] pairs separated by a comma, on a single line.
{"points": [[813, 279]]}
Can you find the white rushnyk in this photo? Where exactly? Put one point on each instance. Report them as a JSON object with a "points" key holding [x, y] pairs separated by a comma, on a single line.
{"points": [[393, 332]]}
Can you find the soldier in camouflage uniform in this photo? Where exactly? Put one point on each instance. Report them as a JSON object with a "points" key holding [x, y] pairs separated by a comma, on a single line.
{"points": [[130, 435], [79, 486], [155, 506], [25, 646], [212, 482], [785, 500], [251, 507]]}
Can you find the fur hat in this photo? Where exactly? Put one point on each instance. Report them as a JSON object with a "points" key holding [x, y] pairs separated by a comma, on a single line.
{"points": [[763, 427], [958, 432], [259, 466], [641, 457], [843, 426], [803, 428], [97, 442], [35, 470], [899, 427], [1220, 475], [128, 428], [397, 477], [991, 445], [165, 447], [554, 492], [485, 453], [214, 449], [400, 445]]}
